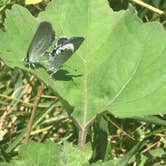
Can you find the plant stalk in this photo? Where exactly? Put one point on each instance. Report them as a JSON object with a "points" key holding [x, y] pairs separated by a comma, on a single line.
{"points": [[82, 137], [145, 5], [37, 99]]}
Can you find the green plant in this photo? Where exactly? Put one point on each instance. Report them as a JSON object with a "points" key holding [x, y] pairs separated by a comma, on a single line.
{"points": [[119, 68]]}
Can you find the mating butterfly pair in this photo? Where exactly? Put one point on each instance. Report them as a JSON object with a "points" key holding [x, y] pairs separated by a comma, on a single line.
{"points": [[43, 39]]}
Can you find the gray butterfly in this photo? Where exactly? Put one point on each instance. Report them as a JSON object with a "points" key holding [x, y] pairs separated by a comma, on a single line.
{"points": [[64, 49], [41, 41]]}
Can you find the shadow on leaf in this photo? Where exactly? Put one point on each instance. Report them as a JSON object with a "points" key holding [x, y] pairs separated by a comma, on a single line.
{"points": [[63, 75]]}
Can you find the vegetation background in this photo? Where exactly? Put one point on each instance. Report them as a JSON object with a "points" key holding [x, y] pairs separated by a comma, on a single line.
{"points": [[110, 139]]}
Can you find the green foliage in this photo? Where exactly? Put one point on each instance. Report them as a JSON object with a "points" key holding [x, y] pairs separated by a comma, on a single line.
{"points": [[145, 13], [120, 67], [100, 139], [118, 73], [51, 154]]}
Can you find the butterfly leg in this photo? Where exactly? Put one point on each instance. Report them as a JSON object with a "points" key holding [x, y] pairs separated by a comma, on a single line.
{"points": [[53, 71], [31, 66]]}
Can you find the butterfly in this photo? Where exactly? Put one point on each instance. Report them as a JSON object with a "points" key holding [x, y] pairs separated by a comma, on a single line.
{"points": [[43, 38], [63, 50]]}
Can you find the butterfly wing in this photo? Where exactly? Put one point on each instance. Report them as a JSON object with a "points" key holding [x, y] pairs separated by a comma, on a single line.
{"points": [[76, 41], [42, 39], [63, 53]]}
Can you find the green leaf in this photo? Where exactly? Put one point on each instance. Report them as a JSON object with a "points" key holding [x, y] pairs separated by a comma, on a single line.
{"points": [[16, 141], [73, 155], [100, 140], [152, 119], [121, 61], [51, 154], [120, 66], [38, 154], [106, 163]]}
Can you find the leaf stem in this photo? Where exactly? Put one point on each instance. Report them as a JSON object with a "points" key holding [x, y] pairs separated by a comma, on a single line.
{"points": [[114, 124], [85, 93], [139, 2], [82, 137], [76, 123], [82, 130]]}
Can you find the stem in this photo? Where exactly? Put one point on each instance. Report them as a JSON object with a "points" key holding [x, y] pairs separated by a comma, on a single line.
{"points": [[139, 2], [114, 124], [76, 123], [37, 99], [82, 137], [83, 131], [21, 101]]}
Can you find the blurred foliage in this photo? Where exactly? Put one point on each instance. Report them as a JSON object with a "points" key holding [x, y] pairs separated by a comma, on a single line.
{"points": [[32, 7], [144, 13], [17, 93], [147, 15]]}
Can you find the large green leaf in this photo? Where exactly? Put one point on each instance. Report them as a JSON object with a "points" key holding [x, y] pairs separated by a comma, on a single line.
{"points": [[120, 67], [121, 61]]}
